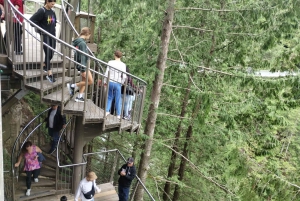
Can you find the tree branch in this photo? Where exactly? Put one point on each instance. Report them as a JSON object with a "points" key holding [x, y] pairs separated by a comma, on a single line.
{"points": [[202, 67], [194, 28]]}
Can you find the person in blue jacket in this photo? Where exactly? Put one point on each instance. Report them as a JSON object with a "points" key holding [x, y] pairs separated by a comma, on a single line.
{"points": [[80, 43]]}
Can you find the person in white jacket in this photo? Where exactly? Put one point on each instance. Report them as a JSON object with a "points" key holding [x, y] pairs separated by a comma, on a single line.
{"points": [[86, 185]]}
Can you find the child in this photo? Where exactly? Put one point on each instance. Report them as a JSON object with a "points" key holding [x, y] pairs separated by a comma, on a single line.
{"points": [[46, 19], [80, 43], [63, 198]]}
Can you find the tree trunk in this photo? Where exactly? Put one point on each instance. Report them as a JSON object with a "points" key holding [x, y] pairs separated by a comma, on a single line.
{"points": [[155, 97], [185, 152], [166, 195]]}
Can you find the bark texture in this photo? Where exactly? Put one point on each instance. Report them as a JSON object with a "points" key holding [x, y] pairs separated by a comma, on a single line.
{"points": [[167, 188], [155, 97]]}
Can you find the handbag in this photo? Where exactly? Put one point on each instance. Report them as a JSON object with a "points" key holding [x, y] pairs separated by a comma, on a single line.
{"points": [[129, 90], [41, 157], [90, 194]]}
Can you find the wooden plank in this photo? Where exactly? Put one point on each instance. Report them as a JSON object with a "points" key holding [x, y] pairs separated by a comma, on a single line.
{"points": [[56, 97], [44, 182], [31, 73], [36, 86], [34, 193]]}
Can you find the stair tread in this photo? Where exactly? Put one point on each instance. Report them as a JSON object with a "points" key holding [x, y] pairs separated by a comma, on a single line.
{"points": [[30, 73], [46, 84], [43, 182], [56, 97], [34, 193]]}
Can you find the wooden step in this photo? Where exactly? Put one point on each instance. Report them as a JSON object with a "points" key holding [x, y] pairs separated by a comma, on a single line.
{"points": [[32, 73], [56, 97], [34, 193], [36, 86], [43, 182]]}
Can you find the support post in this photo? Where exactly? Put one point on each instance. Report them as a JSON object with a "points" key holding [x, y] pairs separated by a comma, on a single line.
{"points": [[1, 156], [78, 151]]}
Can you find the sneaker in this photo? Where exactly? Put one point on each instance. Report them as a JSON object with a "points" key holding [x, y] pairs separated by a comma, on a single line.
{"points": [[127, 117], [45, 69], [118, 117], [36, 180], [50, 78], [19, 53], [107, 113], [71, 89], [81, 100], [28, 192]]}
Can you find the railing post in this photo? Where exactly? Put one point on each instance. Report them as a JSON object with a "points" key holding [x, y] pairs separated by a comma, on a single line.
{"points": [[87, 70], [142, 105], [24, 52], [41, 55], [63, 78], [105, 100]]}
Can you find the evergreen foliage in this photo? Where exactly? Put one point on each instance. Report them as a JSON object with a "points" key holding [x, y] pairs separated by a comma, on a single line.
{"points": [[244, 144]]}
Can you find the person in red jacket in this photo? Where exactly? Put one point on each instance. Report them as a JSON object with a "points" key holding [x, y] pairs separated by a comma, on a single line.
{"points": [[17, 26], [2, 13]]}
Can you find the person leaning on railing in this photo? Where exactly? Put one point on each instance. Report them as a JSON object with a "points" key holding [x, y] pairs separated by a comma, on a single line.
{"points": [[80, 43], [46, 19], [31, 163]]}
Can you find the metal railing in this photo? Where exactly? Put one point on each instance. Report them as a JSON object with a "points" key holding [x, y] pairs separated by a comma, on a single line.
{"points": [[30, 67], [27, 133], [104, 163]]}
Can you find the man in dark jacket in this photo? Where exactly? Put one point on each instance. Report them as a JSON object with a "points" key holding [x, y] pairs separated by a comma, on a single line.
{"points": [[55, 121], [127, 173]]}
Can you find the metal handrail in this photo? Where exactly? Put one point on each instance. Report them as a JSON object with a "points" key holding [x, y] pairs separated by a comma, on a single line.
{"points": [[70, 46], [84, 157], [19, 136]]}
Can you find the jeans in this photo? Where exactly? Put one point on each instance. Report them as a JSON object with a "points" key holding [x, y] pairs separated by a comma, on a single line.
{"points": [[123, 193], [48, 52], [55, 138], [114, 92], [128, 104], [28, 176]]}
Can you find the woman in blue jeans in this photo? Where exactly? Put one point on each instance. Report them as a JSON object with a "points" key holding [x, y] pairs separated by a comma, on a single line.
{"points": [[117, 76]]}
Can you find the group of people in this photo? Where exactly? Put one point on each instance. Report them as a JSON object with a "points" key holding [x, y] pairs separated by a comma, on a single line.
{"points": [[87, 186]]}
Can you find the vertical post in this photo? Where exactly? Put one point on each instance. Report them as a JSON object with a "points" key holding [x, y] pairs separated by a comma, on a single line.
{"points": [[78, 151], [142, 105], [63, 78], [41, 59], [24, 51], [1, 155], [105, 100], [87, 70]]}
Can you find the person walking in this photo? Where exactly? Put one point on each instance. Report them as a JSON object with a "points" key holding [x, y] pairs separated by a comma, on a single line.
{"points": [[46, 19], [87, 188], [80, 43], [31, 163], [55, 121], [127, 173], [117, 78]]}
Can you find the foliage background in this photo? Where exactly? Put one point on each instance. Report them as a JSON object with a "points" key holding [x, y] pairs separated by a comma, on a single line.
{"points": [[245, 135]]}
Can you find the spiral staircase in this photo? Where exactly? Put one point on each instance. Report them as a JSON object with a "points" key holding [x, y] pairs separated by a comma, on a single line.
{"points": [[62, 171]]}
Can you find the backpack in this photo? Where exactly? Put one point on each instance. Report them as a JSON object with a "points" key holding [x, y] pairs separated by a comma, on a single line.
{"points": [[90, 194]]}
